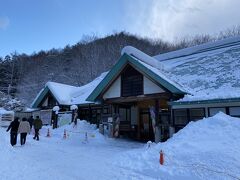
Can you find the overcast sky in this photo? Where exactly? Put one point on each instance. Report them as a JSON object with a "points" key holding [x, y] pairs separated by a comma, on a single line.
{"points": [[32, 25]]}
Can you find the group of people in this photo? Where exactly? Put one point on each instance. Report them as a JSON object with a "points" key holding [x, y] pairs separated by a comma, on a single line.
{"points": [[24, 127]]}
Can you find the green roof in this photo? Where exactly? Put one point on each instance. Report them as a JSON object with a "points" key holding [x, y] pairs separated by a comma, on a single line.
{"points": [[205, 101], [119, 66], [40, 97]]}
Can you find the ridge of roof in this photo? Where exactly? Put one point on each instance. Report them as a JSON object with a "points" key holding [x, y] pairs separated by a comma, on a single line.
{"points": [[209, 46]]}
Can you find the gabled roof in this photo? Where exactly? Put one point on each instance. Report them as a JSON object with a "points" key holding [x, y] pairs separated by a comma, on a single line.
{"points": [[61, 92], [66, 94], [80, 96], [152, 73], [205, 72]]}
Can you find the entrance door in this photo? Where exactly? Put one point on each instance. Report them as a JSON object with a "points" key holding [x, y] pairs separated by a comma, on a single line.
{"points": [[164, 118], [146, 130]]}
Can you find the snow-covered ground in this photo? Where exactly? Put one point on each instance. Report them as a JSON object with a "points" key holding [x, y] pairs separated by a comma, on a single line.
{"points": [[72, 158], [206, 149]]}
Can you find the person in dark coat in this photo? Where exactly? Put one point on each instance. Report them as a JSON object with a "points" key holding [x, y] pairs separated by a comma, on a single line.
{"points": [[30, 120], [23, 129], [37, 124], [14, 131]]}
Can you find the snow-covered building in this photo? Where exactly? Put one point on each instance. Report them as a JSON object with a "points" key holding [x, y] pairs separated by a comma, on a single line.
{"points": [[150, 98], [159, 95], [64, 96]]}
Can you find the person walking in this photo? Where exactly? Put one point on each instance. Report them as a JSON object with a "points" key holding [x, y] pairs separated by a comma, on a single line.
{"points": [[14, 131], [37, 124], [23, 129], [30, 120]]}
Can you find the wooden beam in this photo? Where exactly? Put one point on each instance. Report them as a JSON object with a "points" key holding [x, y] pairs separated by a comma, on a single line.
{"points": [[164, 95]]}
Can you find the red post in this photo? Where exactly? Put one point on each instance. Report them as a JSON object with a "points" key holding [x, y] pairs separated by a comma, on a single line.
{"points": [[161, 160], [48, 133], [65, 134]]}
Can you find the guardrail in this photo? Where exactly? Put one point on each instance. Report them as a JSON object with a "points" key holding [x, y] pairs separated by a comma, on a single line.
{"points": [[6, 119]]}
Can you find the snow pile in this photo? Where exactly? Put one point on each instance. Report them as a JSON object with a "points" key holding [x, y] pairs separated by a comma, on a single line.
{"points": [[206, 149], [77, 132], [73, 107], [56, 108]]}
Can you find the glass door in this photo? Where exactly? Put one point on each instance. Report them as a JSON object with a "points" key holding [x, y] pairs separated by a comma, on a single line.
{"points": [[146, 131]]}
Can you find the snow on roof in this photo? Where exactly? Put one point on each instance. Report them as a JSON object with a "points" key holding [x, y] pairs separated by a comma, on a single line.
{"points": [[151, 63], [162, 75], [208, 71], [132, 51], [80, 96], [206, 47], [62, 92], [28, 110], [69, 95]]}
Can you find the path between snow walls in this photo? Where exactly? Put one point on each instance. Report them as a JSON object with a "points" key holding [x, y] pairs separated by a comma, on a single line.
{"points": [[206, 149]]}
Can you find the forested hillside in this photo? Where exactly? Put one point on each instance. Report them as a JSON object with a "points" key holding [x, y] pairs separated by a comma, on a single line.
{"points": [[22, 76]]}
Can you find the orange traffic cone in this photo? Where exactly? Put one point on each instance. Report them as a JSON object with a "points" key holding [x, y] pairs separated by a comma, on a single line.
{"points": [[161, 160], [48, 133], [86, 137], [65, 134]]}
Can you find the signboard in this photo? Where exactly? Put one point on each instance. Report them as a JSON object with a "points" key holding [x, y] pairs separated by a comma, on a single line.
{"points": [[46, 116], [64, 118]]}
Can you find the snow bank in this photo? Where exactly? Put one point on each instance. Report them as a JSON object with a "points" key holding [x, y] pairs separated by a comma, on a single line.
{"points": [[206, 149], [76, 134]]}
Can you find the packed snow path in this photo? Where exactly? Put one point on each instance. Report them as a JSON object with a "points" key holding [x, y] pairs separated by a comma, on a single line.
{"points": [[56, 158], [206, 149]]}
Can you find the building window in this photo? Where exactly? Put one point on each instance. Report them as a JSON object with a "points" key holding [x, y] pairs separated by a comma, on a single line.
{"points": [[51, 101], [213, 111], [234, 111], [125, 114], [132, 82], [196, 114], [180, 116]]}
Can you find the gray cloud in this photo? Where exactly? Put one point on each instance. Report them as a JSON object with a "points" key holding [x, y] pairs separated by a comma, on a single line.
{"points": [[4, 22], [168, 19]]}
